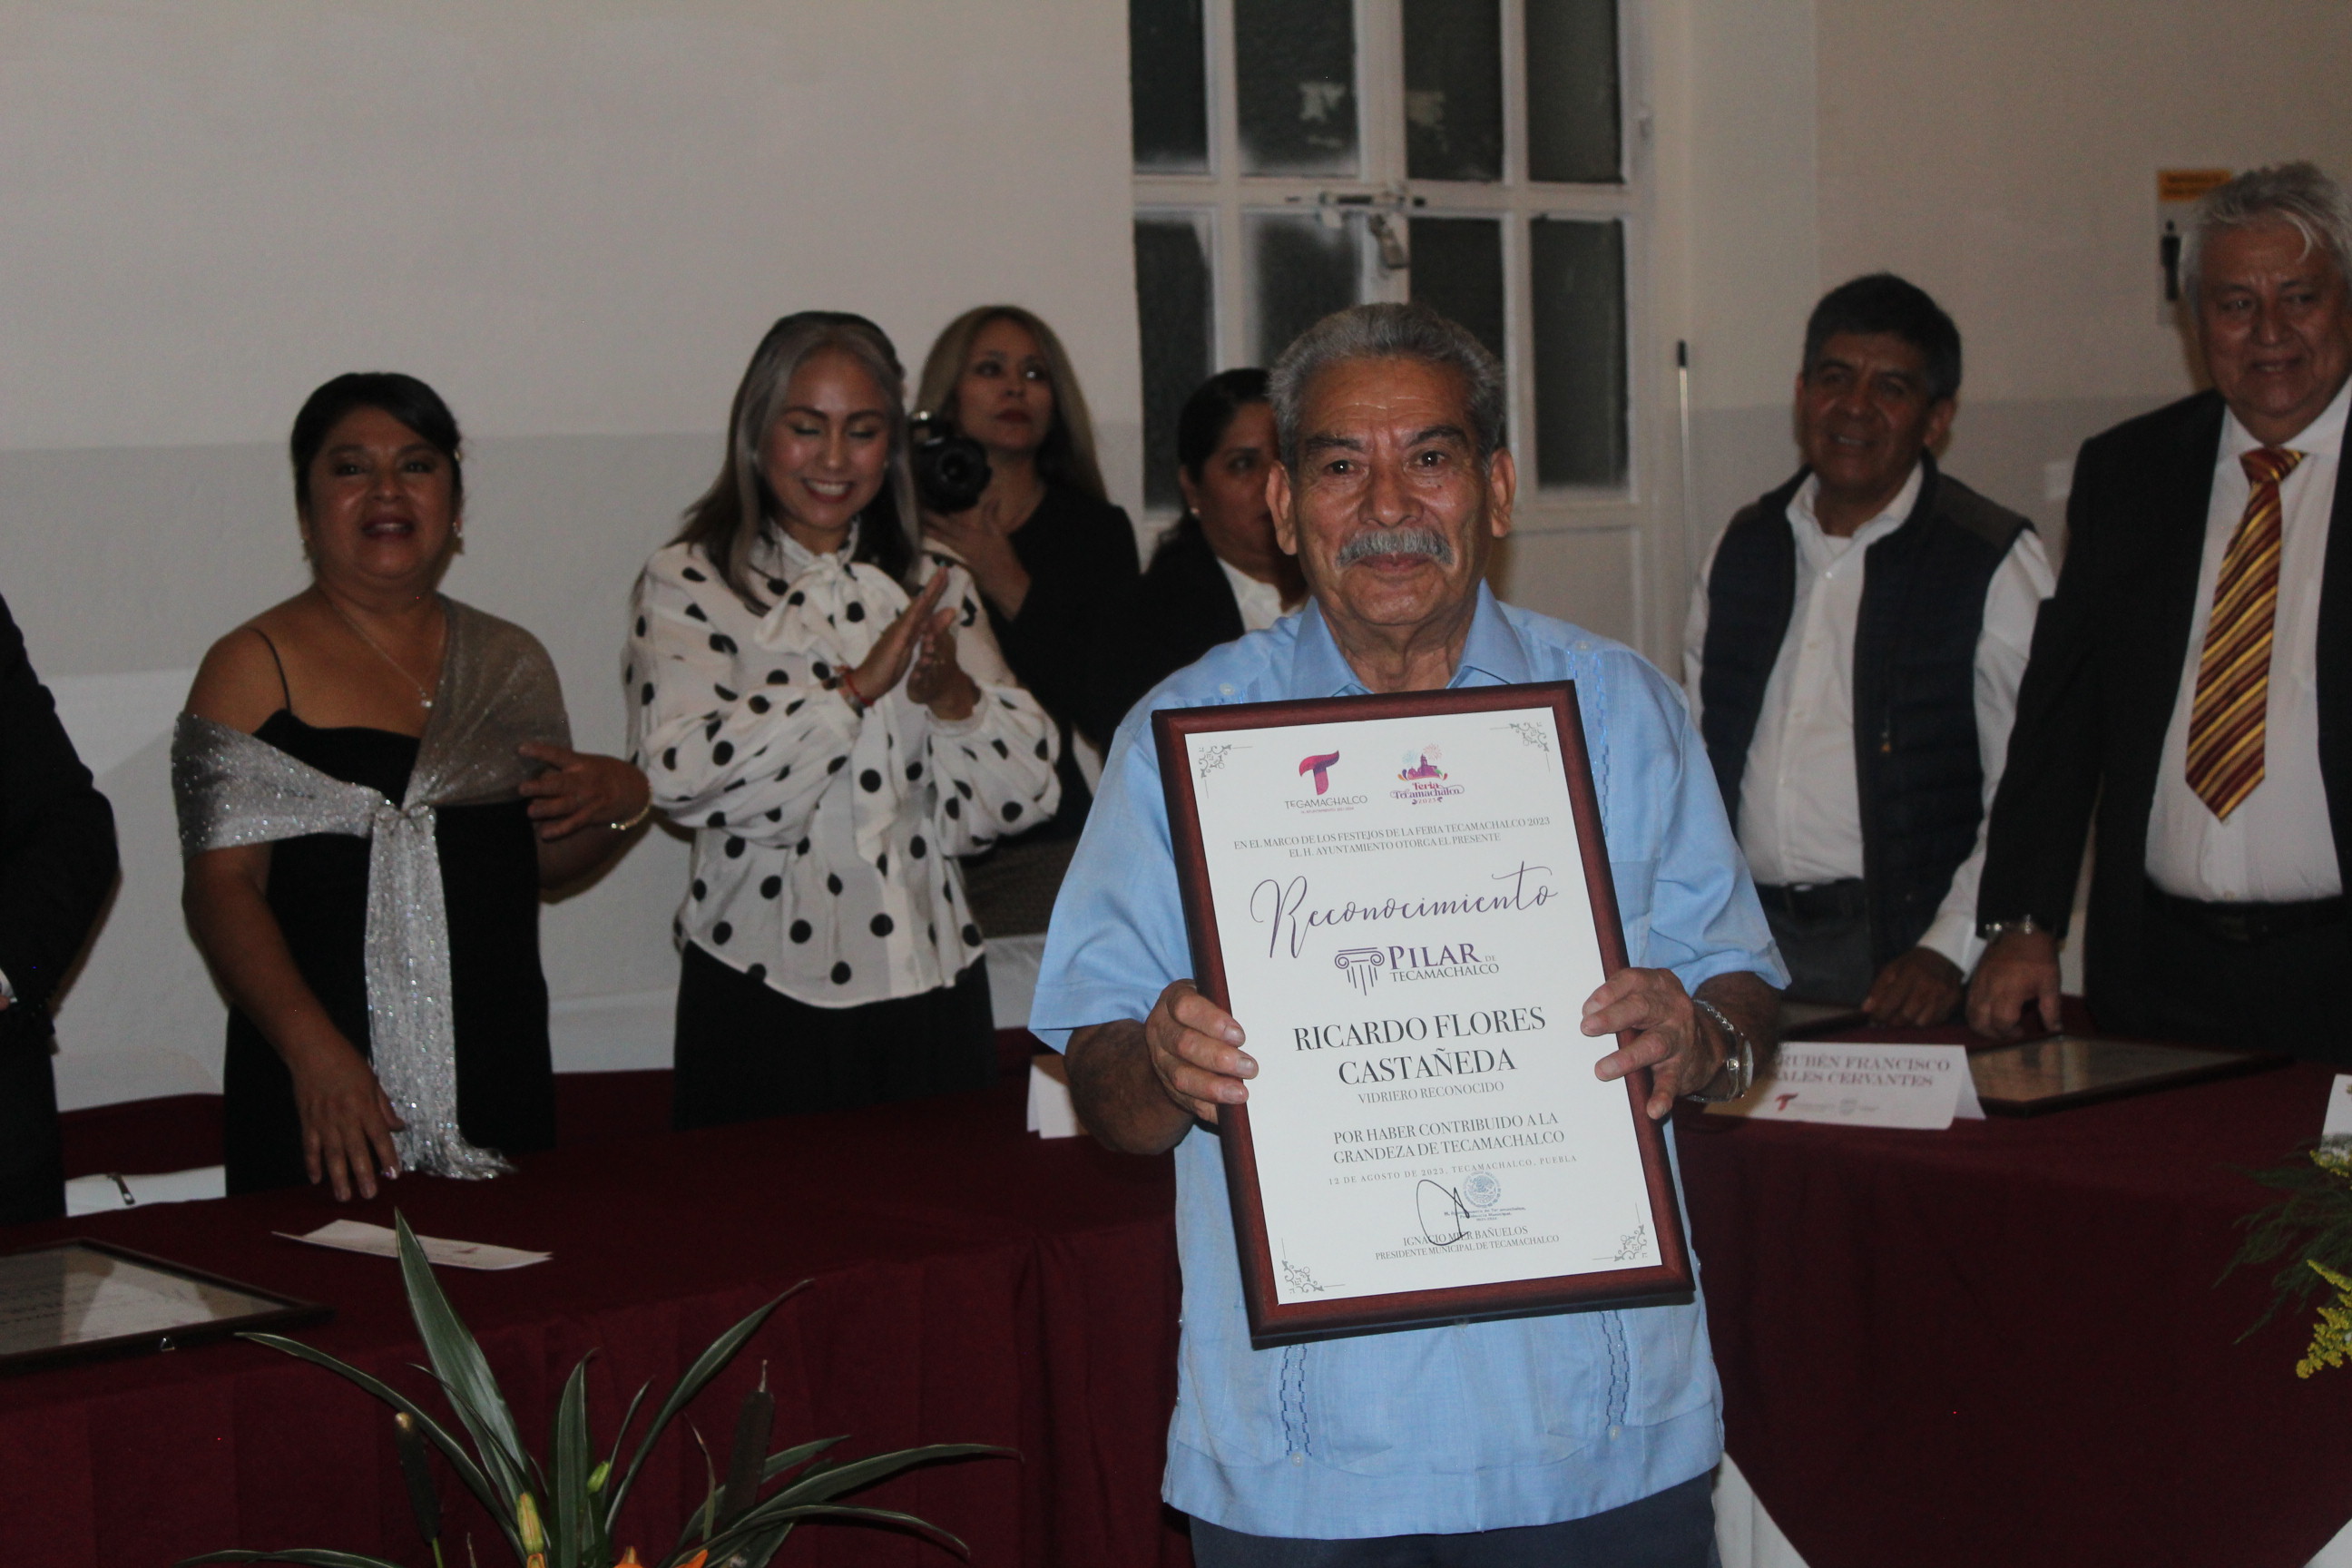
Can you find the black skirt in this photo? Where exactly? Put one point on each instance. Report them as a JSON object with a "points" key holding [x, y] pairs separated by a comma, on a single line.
{"points": [[745, 1050]]}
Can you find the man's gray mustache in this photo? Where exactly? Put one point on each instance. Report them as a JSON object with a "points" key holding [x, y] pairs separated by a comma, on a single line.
{"points": [[1397, 541]]}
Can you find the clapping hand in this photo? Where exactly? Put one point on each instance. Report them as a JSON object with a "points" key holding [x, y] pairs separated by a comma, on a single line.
{"points": [[886, 664]]}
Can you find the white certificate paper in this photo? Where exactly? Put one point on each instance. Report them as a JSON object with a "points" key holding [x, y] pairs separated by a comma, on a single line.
{"points": [[1408, 939]]}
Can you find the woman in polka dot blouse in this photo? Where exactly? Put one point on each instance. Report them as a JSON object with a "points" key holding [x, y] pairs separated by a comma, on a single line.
{"points": [[834, 740]]}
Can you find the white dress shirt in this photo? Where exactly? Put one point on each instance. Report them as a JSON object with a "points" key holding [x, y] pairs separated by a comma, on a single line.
{"points": [[1259, 603], [1800, 808], [823, 837], [2278, 847]]}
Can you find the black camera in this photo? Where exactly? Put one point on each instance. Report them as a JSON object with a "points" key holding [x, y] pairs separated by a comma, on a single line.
{"points": [[951, 471]]}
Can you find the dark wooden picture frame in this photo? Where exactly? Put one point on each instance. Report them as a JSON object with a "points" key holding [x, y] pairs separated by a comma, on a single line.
{"points": [[286, 1312], [1272, 1321], [2233, 1064]]}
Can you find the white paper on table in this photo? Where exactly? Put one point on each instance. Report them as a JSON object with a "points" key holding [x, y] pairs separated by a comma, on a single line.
{"points": [[1862, 1084], [1409, 940], [1051, 1114], [354, 1236], [2338, 1121]]}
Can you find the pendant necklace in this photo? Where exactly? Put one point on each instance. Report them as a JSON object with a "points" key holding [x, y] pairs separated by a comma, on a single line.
{"points": [[424, 697]]}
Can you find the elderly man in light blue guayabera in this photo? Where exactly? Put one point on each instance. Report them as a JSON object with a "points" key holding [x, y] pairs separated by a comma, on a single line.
{"points": [[1585, 1438]]}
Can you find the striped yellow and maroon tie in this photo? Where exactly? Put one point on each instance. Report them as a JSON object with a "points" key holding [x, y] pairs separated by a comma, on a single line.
{"points": [[2233, 674]]}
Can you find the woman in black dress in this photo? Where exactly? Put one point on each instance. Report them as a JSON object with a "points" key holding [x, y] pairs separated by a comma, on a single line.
{"points": [[383, 1017], [1051, 556]]}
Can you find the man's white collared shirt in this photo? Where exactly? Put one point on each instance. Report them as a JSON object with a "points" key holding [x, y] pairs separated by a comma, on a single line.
{"points": [[2279, 846]]}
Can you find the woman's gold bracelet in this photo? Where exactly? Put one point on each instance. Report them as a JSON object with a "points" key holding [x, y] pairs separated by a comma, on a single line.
{"points": [[643, 811]]}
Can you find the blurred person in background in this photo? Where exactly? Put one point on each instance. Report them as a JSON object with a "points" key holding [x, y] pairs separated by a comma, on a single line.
{"points": [[57, 866], [1219, 572], [1051, 554]]}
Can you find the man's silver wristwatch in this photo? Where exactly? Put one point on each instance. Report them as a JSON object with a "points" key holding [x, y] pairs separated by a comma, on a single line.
{"points": [[2023, 925], [1739, 1069]]}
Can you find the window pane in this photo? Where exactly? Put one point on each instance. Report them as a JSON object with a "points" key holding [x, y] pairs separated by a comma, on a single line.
{"points": [[1168, 79], [1577, 273], [1299, 273], [1573, 119], [1453, 89], [1172, 303], [1296, 61], [1457, 271]]}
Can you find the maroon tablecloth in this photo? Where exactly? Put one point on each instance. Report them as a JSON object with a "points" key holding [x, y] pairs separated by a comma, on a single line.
{"points": [[971, 1284], [2003, 1343]]}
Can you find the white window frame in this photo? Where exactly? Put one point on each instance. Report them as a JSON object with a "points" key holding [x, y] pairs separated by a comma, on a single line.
{"points": [[1225, 194]]}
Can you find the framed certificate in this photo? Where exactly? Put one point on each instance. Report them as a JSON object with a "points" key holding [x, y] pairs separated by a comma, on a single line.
{"points": [[81, 1300], [1405, 900]]}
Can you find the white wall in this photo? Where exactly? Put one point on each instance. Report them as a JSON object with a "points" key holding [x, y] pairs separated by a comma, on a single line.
{"points": [[576, 220]]}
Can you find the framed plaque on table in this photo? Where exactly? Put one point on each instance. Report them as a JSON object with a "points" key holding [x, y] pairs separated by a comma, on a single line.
{"points": [[1405, 901], [82, 1300]]}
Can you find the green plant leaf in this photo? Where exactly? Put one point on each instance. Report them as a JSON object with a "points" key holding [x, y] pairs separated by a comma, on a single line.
{"points": [[465, 1375], [819, 1485], [314, 1556], [728, 1542], [575, 1525], [621, 1434], [460, 1460], [785, 1459], [706, 1367]]}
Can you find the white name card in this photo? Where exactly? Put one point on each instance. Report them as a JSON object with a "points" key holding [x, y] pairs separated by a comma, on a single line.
{"points": [[1051, 1114], [1863, 1085], [2338, 1123]]}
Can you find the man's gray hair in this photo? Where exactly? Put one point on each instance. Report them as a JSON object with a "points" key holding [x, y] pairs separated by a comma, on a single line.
{"points": [[2296, 195], [1388, 331]]}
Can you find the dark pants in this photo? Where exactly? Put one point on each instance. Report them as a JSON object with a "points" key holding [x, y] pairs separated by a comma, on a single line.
{"points": [[32, 1163], [2279, 993], [1671, 1529], [745, 1051], [1823, 935]]}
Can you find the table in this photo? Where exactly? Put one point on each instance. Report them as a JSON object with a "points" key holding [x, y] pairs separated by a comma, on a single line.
{"points": [[972, 1283], [2003, 1343]]}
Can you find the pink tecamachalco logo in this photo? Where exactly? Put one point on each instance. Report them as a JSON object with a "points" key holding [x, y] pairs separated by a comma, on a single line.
{"points": [[1423, 778], [1320, 766]]}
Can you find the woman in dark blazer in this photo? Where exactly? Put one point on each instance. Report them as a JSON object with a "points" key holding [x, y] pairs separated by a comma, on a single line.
{"points": [[1218, 573], [1051, 555]]}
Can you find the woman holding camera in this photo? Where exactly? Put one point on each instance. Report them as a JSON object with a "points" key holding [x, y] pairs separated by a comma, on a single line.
{"points": [[823, 705], [1051, 554]]}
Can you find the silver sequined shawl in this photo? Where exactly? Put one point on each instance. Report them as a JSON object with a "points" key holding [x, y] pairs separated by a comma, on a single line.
{"points": [[497, 690]]}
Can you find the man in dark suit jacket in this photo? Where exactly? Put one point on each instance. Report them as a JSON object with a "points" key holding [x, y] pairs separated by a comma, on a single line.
{"points": [[56, 865], [2192, 678]]}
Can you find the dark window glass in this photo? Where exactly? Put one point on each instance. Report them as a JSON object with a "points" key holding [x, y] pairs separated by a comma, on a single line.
{"points": [[1172, 304], [1576, 277], [1167, 80], [1296, 65], [1457, 271], [1300, 271], [1453, 89], [1574, 120]]}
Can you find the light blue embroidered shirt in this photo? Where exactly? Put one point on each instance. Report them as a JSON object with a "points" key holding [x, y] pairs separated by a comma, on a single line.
{"points": [[1471, 1426]]}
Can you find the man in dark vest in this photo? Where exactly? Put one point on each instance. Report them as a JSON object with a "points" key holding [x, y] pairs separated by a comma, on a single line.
{"points": [[1851, 657]]}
